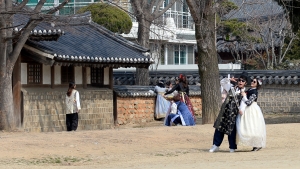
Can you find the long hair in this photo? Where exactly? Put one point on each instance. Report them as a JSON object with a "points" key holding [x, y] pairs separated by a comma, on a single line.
{"points": [[183, 80], [259, 83], [71, 88]]}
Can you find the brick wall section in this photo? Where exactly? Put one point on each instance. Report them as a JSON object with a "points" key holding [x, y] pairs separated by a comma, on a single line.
{"points": [[136, 110], [279, 99], [271, 99], [44, 109], [197, 104]]}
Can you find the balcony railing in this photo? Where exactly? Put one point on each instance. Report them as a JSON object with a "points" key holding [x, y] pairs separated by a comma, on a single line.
{"points": [[181, 19]]}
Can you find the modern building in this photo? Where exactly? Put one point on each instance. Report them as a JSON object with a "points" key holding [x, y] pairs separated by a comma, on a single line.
{"points": [[172, 38]]}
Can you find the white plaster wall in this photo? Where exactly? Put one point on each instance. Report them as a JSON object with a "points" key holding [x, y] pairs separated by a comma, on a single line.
{"points": [[57, 72], [88, 75], [23, 73], [78, 74], [46, 74], [106, 76]]}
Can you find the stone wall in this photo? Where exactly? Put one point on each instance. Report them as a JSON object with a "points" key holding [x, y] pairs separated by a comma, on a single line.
{"points": [[44, 109], [271, 99], [137, 110], [279, 99]]}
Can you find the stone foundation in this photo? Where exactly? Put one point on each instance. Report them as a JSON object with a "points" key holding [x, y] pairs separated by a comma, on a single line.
{"points": [[44, 109]]}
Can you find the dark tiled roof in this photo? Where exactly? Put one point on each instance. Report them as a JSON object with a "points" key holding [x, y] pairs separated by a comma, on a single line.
{"points": [[86, 42], [145, 91], [280, 77], [249, 9], [44, 31]]}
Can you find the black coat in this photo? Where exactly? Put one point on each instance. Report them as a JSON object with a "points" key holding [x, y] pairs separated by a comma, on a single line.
{"points": [[226, 119]]}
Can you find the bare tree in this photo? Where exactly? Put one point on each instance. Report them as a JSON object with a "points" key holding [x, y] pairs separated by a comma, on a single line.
{"points": [[10, 48], [269, 27], [203, 14], [273, 34], [146, 11]]}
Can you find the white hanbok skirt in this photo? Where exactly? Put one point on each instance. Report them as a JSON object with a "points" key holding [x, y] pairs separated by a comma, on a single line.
{"points": [[161, 107], [251, 127]]}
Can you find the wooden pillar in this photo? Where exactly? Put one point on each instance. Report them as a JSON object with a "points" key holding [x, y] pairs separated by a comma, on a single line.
{"points": [[111, 80], [52, 76], [84, 77], [16, 84]]}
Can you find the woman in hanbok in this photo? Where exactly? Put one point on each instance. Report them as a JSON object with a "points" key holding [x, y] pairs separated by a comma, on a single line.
{"points": [[250, 123], [162, 105], [183, 89], [179, 114]]}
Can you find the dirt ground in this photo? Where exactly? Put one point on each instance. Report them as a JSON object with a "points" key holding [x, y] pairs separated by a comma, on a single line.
{"points": [[151, 146]]}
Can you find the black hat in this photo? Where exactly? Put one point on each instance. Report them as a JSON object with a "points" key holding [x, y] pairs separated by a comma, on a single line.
{"points": [[245, 76], [161, 83]]}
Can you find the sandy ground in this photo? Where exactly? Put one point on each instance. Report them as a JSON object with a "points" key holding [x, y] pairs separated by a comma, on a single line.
{"points": [[153, 146]]}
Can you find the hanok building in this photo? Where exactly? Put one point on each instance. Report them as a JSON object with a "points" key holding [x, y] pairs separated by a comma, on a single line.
{"points": [[271, 24], [70, 49]]}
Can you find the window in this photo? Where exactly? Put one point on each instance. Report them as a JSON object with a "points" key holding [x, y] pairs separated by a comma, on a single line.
{"points": [[67, 74], [97, 75], [180, 54], [185, 17], [34, 73], [166, 3]]}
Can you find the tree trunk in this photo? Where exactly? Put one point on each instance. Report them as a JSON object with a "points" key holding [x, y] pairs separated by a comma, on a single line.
{"points": [[204, 18], [209, 73], [142, 74], [7, 119]]}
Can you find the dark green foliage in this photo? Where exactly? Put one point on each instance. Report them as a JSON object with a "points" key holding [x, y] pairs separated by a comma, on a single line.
{"points": [[294, 52], [109, 16], [228, 6], [240, 30]]}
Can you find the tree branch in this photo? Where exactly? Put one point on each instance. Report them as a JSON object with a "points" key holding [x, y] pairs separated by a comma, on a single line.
{"points": [[21, 5], [136, 6], [22, 40], [287, 48], [32, 23], [157, 5], [158, 14], [194, 11], [53, 10], [152, 4], [39, 6]]}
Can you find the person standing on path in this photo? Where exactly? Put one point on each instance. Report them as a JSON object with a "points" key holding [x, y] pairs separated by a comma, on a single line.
{"points": [[72, 107], [226, 120]]}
